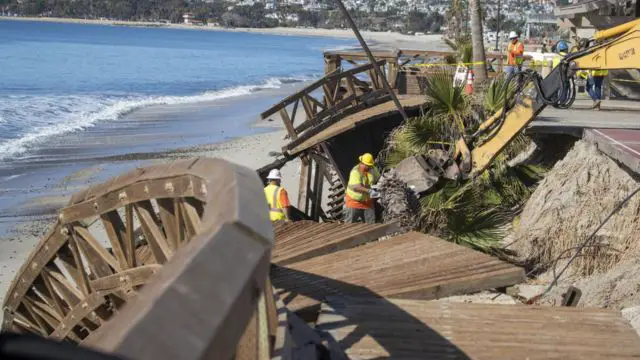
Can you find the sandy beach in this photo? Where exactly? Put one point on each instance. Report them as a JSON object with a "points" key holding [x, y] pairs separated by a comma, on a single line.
{"points": [[389, 40]]}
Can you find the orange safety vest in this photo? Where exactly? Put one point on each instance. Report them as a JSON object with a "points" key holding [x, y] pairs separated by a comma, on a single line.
{"points": [[515, 54]]}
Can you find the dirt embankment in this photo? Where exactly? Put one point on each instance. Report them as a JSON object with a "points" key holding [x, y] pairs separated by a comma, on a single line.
{"points": [[568, 205]]}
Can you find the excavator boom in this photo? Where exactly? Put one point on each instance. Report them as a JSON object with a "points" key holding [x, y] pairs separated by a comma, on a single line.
{"points": [[616, 48]]}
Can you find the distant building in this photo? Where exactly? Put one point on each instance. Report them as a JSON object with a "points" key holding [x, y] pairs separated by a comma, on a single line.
{"points": [[188, 18]]}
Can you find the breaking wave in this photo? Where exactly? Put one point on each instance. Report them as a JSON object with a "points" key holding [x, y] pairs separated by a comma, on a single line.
{"points": [[26, 121]]}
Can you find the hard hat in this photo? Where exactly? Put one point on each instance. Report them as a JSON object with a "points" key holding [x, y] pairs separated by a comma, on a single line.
{"points": [[367, 159], [513, 35], [562, 46], [274, 174]]}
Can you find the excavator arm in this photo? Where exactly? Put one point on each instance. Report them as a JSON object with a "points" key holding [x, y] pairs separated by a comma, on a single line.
{"points": [[612, 49]]}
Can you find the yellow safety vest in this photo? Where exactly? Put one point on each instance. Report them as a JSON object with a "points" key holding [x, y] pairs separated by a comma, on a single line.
{"points": [[272, 194], [599, 72], [586, 73], [356, 177], [558, 58]]}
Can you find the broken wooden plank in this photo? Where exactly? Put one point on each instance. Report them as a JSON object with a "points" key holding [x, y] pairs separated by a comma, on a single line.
{"points": [[304, 240], [412, 265]]}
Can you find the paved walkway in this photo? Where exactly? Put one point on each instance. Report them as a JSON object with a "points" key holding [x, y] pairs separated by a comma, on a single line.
{"points": [[615, 129]]}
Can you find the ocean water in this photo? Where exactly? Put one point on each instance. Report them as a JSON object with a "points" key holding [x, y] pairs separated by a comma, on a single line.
{"points": [[75, 97], [61, 79]]}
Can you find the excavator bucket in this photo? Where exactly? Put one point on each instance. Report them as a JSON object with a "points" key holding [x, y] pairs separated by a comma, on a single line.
{"points": [[423, 172]]}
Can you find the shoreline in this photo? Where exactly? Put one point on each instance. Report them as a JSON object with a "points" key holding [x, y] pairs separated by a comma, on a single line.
{"points": [[18, 242], [391, 39]]}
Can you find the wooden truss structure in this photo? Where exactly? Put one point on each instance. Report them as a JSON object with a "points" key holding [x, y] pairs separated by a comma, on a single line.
{"points": [[185, 224]]}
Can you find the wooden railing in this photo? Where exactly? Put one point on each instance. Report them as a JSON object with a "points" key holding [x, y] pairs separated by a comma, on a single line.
{"points": [[136, 265], [341, 92], [405, 60]]}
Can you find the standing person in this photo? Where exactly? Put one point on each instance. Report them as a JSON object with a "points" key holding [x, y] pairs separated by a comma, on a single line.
{"points": [[277, 197], [561, 50], [515, 54], [358, 200], [594, 86]]}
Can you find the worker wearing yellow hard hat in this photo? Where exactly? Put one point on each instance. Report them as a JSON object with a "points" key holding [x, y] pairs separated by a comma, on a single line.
{"points": [[359, 196], [277, 197]]}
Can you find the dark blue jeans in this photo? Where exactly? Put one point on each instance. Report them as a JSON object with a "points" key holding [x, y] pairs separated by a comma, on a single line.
{"points": [[594, 87]]}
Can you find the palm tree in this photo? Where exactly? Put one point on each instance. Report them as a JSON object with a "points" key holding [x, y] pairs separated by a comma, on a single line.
{"points": [[479, 57], [474, 212]]}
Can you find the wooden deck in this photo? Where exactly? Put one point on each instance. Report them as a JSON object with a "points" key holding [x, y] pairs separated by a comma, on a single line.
{"points": [[412, 265], [303, 240], [409, 102], [415, 329]]}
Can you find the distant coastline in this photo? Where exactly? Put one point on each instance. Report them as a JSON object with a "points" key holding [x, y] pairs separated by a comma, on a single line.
{"points": [[388, 39]]}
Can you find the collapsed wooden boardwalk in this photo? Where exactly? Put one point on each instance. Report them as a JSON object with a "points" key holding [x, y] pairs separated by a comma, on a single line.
{"points": [[202, 287], [411, 265]]}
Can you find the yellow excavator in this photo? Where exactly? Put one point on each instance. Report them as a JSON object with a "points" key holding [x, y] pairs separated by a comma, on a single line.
{"points": [[617, 48]]}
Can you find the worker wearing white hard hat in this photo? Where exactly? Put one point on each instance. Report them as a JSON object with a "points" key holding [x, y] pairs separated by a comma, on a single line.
{"points": [[515, 54], [277, 197]]}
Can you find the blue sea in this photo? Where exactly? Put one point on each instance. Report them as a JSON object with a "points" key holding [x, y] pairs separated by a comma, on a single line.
{"points": [[61, 78], [73, 94]]}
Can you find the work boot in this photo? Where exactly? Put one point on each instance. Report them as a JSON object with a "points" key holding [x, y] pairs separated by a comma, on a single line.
{"points": [[596, 105]]}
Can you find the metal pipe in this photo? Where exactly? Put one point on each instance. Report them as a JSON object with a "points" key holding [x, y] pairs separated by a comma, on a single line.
{"points": [[377, 69], [498, 29]]}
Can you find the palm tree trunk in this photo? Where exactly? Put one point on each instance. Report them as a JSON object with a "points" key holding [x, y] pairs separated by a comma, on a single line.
{"points": [[479, 57]]}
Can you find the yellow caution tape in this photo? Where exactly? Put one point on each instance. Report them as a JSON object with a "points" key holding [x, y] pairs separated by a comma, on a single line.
{"points": [[471, 63]]}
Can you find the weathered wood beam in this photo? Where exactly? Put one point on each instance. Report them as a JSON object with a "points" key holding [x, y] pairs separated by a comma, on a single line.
{"points": [[288, 124], [308, 110], [302, 184], [167, 213], [292, 98], [317, 188], [309, 191], [152, 233], [115, 230]]}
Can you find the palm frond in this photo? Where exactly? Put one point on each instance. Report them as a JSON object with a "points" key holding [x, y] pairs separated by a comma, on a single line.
{"points": [[497, 92], [451, 44], [445, 98], [465, 52], [480, 230]]}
